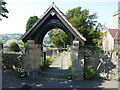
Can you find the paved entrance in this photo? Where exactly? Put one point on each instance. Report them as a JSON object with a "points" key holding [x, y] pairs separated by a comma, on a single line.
{"points": [[58, 68]]}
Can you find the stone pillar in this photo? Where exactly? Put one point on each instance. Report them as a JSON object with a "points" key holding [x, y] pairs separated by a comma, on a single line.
{"points": [[77, 62], [32, 61]]}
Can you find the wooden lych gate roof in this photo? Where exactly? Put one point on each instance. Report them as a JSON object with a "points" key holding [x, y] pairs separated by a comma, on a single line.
{"points": [[52, 18]]}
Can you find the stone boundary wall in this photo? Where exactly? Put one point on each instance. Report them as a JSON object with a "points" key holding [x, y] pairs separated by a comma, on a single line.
{"points": [[12, 60], [105, 64]]}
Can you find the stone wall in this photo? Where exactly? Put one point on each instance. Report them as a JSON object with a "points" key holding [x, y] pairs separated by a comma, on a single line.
{"points": [[12, 60], [105, 64]]}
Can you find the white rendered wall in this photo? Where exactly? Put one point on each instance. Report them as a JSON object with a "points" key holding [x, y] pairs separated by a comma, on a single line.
{"points": [[108, 42]]}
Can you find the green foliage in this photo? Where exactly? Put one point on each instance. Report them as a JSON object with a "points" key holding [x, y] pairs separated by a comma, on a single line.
{"points": [[12, 60], [59, 38], [70, 68], [47, 63], [14, 47], [20, 72], [104, 78], [92, 48], [68, 75], [68, 48], [31, 21], [86, 24], [90, 73], [118, 79]]}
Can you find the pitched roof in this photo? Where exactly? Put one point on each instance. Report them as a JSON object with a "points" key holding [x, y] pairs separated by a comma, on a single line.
{"points": [[115, 33], [76, 33]]}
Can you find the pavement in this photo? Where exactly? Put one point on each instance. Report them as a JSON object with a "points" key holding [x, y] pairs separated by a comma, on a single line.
{"points": [[59, 67]]}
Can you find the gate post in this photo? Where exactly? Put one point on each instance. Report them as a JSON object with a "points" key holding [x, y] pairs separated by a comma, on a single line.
{"points": [[77, 62], [32, 62]]}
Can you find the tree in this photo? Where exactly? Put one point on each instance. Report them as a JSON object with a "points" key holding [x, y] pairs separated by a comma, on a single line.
{"points": [[3, 9], [59, 38], [31, 21], [86, 24]]}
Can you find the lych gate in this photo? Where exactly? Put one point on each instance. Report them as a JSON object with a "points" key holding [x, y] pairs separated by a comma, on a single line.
{"points": [[53, 18]]}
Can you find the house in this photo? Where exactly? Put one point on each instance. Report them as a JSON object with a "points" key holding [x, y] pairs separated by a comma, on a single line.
{"points": [[111, 39]]}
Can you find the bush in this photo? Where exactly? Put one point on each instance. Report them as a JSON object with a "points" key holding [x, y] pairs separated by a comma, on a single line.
{"points": [[14, 47], [68, 75], [20, 72], [47, 63], [12, 60], [92, 48], [104, 78], [90, 73]]}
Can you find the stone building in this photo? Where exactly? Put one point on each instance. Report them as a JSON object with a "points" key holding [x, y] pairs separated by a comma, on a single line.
{"points": [[112, 37]]}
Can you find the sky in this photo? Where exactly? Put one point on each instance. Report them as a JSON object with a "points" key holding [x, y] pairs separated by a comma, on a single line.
{"points": [[21, 10]]}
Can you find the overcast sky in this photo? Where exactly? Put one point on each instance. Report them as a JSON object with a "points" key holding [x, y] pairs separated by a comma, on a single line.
{"points": [[21, 10]]}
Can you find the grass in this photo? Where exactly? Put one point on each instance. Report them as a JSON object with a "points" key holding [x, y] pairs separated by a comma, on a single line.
{"points": [[51, 75], [48, 62]]}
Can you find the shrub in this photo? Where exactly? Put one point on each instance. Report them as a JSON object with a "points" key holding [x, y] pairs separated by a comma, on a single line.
{"points": [[20, 72], [14, 47], [92, 48], [47, 63], [68, 75], [104, 78], [12, 60], [90, 73]]}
